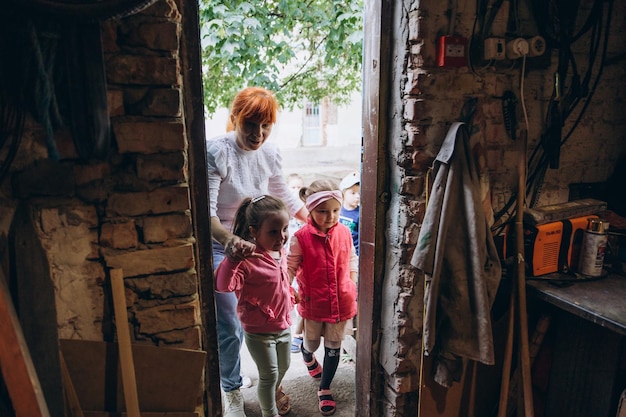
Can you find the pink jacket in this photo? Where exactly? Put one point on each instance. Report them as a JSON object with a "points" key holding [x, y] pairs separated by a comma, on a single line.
{"points": [[263, 289], [323, 273]]}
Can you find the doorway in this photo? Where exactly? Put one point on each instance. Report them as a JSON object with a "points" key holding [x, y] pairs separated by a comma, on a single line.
{"points": [[374, 178]]}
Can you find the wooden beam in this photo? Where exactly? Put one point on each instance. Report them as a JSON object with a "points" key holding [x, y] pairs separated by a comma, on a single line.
{"points": [[127, 364], [194, 121], [17, 367]]}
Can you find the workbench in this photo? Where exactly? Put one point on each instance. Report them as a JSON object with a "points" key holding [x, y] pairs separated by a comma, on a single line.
{"points": [[600, 301], [588, 319]]}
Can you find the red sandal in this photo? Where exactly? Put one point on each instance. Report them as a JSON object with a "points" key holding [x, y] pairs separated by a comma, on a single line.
{"points": [[327, 404], [314, 368]]}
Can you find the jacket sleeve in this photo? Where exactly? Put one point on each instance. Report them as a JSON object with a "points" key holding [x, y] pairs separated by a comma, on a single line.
{"points": [[216, 167], [277, 185], [229, 276], [354, 260]]}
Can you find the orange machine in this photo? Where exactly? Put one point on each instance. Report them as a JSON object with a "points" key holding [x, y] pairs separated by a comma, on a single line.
{"points": [[555, 246]]}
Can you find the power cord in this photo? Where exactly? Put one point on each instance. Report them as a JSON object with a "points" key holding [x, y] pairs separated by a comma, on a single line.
{"points": [[521, 87]]}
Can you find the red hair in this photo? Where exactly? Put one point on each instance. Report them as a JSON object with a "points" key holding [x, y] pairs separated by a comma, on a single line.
{"points": [[254, 104]]}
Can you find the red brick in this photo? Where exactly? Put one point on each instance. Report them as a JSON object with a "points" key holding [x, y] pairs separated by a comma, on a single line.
{"points": [[159, 201], [162, 228], [142, 70], [119, 235], [151, 261], [167, 317], [149, 137]]}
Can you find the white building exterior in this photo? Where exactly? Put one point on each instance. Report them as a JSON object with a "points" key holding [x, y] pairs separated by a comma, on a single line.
{"points": [[342, 126]]}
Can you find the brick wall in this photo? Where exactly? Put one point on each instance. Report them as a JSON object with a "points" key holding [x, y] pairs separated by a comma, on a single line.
{"points": [[425, 100], [130, 210]]}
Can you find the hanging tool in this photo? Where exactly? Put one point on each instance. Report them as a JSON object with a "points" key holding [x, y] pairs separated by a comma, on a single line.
{"points": [[509, 107], [86, 88], [541, 328], [518, 300], [521, 282]]}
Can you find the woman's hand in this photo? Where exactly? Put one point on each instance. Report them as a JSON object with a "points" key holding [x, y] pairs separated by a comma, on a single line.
{"points": [[238, 249]]}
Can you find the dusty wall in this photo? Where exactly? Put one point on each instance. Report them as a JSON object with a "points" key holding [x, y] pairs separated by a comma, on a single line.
{"points": [[130, 209], [425, 100]]}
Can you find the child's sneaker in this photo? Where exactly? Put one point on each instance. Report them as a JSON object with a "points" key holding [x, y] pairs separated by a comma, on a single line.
{"points": [[296, 345]]}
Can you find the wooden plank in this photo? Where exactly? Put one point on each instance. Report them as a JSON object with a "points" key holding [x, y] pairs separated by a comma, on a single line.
{"points": [[129, 382], [35, 304], [584, 369], [168, 379], [437, 400], [73, 403], [18, 370]]}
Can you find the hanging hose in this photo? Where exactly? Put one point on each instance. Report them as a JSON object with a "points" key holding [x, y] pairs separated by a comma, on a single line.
{"points": [[13, 83], [43, 95], [63, 53]]}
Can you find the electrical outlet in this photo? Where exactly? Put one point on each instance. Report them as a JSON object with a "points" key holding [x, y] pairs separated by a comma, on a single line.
{"points": [[517, 48], [536, 46], [452, 51], [494, 48]]}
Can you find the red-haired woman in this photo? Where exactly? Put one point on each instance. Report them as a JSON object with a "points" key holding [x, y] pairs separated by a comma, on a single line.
{"points": [[241, 164]]}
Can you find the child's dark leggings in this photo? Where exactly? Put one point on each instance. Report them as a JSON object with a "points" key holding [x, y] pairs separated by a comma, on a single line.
{"points": [[329, 366]]}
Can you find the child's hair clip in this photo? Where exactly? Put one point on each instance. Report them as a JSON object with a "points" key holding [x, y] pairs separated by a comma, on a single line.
{"points": [[257, 199]]}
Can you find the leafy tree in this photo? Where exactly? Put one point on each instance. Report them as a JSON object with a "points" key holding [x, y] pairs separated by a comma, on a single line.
{"points": [[298, 49]]}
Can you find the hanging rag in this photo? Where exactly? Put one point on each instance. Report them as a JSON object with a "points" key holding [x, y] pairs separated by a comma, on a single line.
{"points": [[457, 254]]}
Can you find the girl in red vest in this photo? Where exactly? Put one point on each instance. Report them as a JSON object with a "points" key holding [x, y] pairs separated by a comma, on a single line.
{"points": [[324, 262]]}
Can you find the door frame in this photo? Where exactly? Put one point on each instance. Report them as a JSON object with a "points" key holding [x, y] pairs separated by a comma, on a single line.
{"points": [[191, 57], [374, 201]]}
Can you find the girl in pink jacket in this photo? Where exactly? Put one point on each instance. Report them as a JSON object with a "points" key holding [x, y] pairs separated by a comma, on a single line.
{"points": [[264, 293], [323, 260]]}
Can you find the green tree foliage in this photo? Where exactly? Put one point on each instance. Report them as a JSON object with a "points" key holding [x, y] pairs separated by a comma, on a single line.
{"points": [[298, 49]]}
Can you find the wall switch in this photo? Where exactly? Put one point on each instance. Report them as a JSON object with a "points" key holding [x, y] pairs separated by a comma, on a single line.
{"points": [[494, 48]]}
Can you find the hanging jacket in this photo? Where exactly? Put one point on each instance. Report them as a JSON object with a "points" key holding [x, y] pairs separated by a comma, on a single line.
{"points": [[321, 263], [456, 252]]}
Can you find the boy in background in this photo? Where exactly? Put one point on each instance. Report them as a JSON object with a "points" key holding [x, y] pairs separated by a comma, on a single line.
{"points": [[295, 182], [350, 187]]}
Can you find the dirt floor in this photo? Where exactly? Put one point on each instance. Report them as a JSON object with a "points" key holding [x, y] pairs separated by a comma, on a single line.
{"points": [[301, 388]]}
